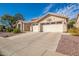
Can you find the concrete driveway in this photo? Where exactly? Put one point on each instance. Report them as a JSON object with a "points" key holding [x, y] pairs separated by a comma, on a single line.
{"points": [[31, 44]]}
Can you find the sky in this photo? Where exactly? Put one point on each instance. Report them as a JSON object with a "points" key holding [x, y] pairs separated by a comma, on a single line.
{"points": [[36, 10]]}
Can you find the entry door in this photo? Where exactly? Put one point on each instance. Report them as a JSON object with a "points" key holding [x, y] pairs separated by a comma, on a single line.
{"points": [[19, 26]]}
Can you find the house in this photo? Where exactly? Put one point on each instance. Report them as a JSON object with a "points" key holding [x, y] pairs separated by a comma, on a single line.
{"points": [[23, 26], [77, 21], [49, 23]]}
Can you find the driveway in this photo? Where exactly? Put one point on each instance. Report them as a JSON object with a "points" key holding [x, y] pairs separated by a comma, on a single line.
{"points": [[31, 44]]}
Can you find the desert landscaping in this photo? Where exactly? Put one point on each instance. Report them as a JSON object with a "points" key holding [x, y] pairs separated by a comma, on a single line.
{"points": [[44, 44], [31, 44], [14, 42], [29, 34]]}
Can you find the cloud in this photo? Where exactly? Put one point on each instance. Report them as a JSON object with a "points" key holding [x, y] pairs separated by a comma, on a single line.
{"points": [[70, 10], [47, 8]]}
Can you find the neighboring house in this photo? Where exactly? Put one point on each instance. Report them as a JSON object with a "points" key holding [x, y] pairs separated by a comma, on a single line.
{"points": [[23, 26], [50, 23], [77, 21]]}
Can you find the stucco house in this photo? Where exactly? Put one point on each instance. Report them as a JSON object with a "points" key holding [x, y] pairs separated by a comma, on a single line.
{"points": [[48, 23], [77, 21], [23, 26]]}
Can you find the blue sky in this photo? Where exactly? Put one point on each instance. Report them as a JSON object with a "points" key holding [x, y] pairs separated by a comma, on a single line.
{"points": [[35, 10]]}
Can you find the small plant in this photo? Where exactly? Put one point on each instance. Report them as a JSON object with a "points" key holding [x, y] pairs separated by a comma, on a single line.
{"points": [[1, 27], [8, 29], [74, 31], [16, 30]]}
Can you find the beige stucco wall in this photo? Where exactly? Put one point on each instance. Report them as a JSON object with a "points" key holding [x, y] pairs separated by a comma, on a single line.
{"points": [[21, 26], [27, 26], [53, 19], [56, 27], [24, 26], [77, 23], [53, 27]]}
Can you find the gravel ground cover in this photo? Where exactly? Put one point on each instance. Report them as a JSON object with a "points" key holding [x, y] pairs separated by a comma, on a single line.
{"points": [[68, 45], [8, 34]]}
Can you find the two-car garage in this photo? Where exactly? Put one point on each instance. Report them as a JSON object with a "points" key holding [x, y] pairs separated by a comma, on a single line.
{"points": [[50, 23], [48, 27], [52, 28]]}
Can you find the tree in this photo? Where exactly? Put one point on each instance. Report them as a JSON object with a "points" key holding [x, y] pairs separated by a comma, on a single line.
{"points": [[71, 23], [19, 16], [8, 20]]}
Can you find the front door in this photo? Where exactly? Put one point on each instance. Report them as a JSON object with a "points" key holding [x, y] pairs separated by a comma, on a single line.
{"points": [[19, 26]]}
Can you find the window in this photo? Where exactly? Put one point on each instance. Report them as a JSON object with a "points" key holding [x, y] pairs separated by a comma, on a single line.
{"points": [[45, 23], [52, 22], [42, 23], [34, 24], [59, 22]]}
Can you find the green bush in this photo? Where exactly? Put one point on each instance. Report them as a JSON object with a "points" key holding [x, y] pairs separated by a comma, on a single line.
{"points": [[74, 31], [1, 27], [16, 30], [8, 29], [75, 34]]}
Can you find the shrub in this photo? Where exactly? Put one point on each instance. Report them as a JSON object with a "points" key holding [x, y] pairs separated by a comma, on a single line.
{"points": [[74, 31], [1, 27], [75, 34], [71, 23], [16, 30], [8, 29]]}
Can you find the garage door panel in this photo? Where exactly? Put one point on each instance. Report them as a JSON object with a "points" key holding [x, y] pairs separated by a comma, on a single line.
{"points": [[53, 28], [35, 29]]}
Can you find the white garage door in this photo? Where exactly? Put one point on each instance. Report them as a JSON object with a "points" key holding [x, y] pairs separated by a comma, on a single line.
{"points": [[53, 28], [35, 29]]}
